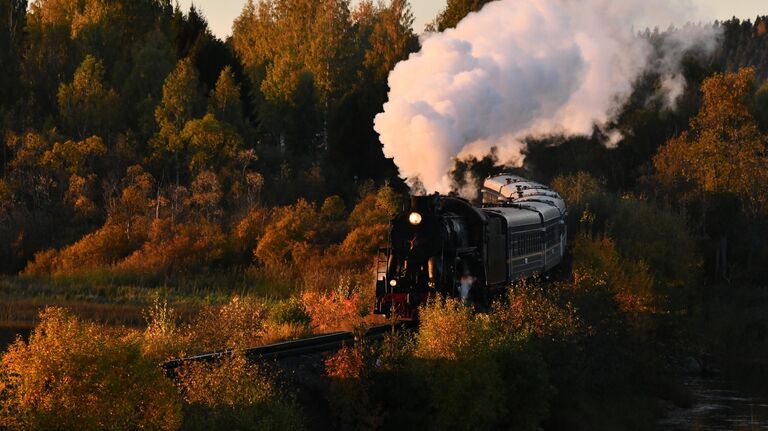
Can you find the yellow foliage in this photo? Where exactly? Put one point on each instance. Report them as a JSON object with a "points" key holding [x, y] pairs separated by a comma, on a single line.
{"points": [[231, 382], [72, 156], [73, 375], [375, 208], [162, 338], [333, 208], [233, 394], [723, 151], [528, 310], [211, 142], [630, 281], [206, 194], [365, 241], [576, 188], [250, 229], [449, 330], [135, 196], [238, 324], [44, 263]]}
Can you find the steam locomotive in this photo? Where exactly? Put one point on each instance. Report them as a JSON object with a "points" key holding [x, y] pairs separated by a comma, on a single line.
{"points": [[445, 245]]}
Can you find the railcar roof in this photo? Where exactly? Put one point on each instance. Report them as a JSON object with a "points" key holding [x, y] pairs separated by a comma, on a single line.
{"points": [[513, 189]]}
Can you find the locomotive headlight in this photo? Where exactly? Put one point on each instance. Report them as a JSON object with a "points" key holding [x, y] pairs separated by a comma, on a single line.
{"points": [[393, 282], [414, 218]]}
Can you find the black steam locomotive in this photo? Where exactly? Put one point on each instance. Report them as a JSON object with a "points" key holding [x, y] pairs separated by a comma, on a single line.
{"points": [[445, 245]]}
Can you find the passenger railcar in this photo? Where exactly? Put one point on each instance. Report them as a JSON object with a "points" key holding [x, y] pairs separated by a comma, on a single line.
{"points": [[446, 245]]}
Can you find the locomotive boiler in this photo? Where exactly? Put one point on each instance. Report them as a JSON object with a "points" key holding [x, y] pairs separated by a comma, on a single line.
{"points": [[445, 245]]}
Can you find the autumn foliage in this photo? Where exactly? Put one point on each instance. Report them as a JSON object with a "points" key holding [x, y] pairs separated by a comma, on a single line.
{"points": [[75, 375], [723, 150]]}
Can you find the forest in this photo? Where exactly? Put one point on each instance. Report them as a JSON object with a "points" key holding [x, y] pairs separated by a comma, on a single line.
{"points": [[164, 193]]}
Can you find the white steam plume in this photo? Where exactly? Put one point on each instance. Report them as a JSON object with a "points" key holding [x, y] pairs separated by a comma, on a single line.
{"points": [[519, 68]]}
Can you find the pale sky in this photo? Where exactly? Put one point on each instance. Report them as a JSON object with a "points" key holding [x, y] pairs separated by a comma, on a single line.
{"points": [[221, 13]]}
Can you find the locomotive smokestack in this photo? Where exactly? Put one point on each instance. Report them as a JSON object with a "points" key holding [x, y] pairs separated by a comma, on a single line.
{"points": [[424, 205]]}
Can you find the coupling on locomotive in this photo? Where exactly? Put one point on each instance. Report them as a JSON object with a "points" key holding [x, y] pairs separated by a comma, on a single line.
{"points": [[445, 245]]}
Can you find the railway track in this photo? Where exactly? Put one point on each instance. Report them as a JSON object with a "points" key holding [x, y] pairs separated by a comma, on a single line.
{"points": [[292, 348]]}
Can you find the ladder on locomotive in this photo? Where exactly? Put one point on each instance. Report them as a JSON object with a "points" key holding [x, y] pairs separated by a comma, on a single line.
{"points": [[382, 260]]}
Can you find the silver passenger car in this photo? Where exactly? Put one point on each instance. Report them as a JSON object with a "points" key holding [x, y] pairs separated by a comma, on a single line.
{"points": [[531, 217]]}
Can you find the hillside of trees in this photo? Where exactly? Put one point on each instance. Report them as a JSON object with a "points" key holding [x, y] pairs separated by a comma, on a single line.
{"points": [[128, 127]]}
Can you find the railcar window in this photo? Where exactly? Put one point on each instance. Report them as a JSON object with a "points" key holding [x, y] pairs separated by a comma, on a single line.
{"points": [[526, 243]]}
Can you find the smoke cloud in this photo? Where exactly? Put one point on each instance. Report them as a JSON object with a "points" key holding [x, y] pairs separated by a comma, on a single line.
{"points": [[519, 68]]}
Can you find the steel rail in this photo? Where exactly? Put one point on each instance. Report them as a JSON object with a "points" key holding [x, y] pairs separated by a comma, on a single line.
{"points": [[286, 349]]}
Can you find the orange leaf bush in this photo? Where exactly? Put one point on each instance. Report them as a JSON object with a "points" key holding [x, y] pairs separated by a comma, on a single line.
{"points": [[175, 248], [347, 363], [93, 252], [338, 310]]}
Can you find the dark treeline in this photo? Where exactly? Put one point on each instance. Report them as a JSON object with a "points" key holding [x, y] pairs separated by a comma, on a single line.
{"points": [[716, 181]]}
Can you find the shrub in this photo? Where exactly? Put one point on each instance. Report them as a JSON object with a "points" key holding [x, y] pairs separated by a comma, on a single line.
{"points": [[175, 248], [449, 330], [660, 238], [236, 325], [163, 338], [233, 394], [248, 231], [72, 375], [347, 363], [529, 310], [332, 312], [333, 208], [338, 310], [375, 208], [630, 282], [348, 393], [290, 311], [93, 252], [44, 263], [470, 369], [365, 241]]}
